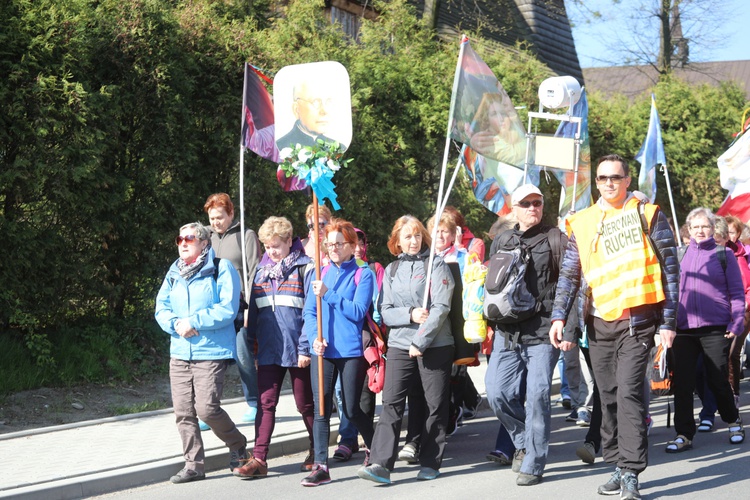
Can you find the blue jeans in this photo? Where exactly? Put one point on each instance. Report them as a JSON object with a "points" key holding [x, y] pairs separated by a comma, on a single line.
{"points": [[353, 372], [564, 388], [708, 411], [347, 429], [529, 423], [246, 365]]}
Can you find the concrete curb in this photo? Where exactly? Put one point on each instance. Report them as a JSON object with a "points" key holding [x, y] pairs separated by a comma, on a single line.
{"points": [[148, 473]]}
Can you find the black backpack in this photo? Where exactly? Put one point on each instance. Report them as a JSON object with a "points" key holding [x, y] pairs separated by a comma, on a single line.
{"points": [[507, 298]]}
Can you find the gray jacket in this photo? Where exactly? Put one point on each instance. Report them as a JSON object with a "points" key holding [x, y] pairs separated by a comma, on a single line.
{"points": [[229, 246], [405, 291]]}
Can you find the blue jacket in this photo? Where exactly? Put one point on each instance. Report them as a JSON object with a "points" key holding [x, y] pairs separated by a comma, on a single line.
{"points": [[344, 306], [210, 305], [664, 313], [275, 315]]}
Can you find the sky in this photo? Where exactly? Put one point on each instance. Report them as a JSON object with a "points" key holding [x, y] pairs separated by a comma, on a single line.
{"points": [[735, 32]]}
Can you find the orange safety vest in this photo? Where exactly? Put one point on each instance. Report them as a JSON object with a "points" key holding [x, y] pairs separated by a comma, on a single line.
{"points": [[616, 259]]}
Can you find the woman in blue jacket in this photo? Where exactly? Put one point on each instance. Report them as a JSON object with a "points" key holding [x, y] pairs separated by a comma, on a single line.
{"points": [[346, 295], [196, 306], [275, 321]]}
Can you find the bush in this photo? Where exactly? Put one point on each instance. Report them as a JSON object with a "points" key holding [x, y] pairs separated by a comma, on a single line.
{"points": [[106, 352]]}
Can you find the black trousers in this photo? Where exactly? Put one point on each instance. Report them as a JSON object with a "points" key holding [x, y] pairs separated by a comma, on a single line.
{"points": [[433, 370], [715, 349], [594, 433], [619, 358]]}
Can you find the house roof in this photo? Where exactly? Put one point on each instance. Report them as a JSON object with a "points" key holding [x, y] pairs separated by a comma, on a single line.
{"points": [[634, 81], [543, 24]]}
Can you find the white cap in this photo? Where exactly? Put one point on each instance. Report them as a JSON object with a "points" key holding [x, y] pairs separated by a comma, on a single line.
{"points": [[523, 191]]}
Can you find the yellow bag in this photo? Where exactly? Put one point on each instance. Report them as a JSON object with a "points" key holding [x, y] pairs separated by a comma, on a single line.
{"points": [[475, 326]]}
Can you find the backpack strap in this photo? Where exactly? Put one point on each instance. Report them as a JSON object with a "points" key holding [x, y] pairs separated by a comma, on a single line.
{"points": [[647, 235], [216, 269], [721, 254], [394, 268], [681, 252]]}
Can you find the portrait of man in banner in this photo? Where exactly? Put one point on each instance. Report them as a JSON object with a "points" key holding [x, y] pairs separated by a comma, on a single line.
{"points": [[312, 101]]}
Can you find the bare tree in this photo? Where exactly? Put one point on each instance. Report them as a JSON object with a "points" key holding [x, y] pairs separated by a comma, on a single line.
{"points": [[659, 33]]}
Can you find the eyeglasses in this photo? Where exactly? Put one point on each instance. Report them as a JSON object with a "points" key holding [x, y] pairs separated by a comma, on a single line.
{"points": [[616, 179], [318, 103], [321, 225], [527, 204], [190, 238], [337, 245]]}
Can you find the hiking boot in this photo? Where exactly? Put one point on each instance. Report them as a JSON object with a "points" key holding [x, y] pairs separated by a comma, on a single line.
{"points": [[611, 487], [629, 484], [572, 416], [587, 452], [307, 465], [499, 458], [409, 453], [376, 473], [318, 476], [237, 457], [187, 475], [524, 479], [518, 457], [252, 469], [566, 402]]}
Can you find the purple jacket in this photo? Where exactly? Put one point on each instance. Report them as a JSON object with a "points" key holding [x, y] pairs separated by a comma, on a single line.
{"points": [[709, 296]]}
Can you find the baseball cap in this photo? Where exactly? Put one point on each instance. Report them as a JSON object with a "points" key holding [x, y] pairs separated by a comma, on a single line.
{"points": [[523, 191]]}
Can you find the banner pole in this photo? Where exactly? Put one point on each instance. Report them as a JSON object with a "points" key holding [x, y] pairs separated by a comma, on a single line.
{"points": [[671, 204], [242, 198], [318, 304], [443, 168]]}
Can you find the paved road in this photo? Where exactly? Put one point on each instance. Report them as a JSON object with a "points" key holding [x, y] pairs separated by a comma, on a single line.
{"points": [[713, 469]]}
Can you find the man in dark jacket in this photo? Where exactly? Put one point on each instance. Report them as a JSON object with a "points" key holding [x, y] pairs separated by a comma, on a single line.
{"points": [[519, 374], [633, 295]]}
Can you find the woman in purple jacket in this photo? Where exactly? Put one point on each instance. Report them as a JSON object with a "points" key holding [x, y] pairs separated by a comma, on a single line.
{"points": [[710, 315]]}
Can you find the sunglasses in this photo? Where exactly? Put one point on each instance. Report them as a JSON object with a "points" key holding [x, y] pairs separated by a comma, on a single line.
{"points": [[527, 204], [616, 179], [321, 225], [190, 238]]}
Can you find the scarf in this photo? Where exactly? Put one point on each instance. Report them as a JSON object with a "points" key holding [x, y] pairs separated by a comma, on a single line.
{"points": [[279, 270], [187, 271]]}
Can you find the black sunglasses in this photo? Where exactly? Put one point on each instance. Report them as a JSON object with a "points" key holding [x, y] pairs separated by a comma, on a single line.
{"points": [[527, 204], [321, 225], [616, 179]]}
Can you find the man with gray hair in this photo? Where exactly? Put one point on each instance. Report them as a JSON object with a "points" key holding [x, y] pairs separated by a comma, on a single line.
{"points": [[519, 374]]}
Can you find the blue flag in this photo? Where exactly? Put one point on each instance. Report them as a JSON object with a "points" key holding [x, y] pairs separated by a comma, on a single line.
{"points": [[651, 154]]}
